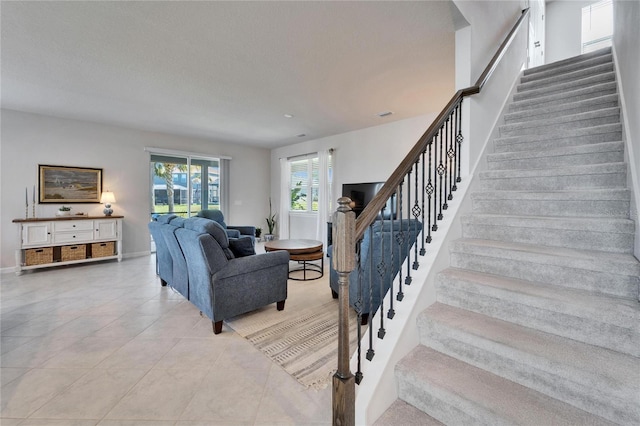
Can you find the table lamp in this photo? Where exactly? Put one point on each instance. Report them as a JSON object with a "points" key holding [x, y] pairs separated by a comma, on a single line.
{"points": [[107, 198]]}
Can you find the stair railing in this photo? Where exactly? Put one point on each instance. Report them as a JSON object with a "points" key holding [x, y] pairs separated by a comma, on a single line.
{"points": [[392, 231]]}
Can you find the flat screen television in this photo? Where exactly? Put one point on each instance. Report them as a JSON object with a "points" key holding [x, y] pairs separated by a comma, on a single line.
{"points": [[362, 193]]}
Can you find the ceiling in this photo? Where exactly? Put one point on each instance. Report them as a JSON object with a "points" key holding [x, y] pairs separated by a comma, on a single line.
{"points": [[229, 71]]}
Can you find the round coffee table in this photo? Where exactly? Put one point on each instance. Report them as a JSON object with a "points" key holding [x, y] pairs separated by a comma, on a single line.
{"points": [[301, 251]]}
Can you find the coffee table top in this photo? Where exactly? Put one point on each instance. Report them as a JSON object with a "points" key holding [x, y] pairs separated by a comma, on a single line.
{"points": [[294, 246]]}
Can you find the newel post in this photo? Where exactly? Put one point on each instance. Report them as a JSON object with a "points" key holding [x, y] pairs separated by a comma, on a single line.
{"points": [[344, 261]]}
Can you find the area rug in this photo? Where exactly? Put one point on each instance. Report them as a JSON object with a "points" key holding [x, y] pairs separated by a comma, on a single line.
{"points": [[303, 341]]}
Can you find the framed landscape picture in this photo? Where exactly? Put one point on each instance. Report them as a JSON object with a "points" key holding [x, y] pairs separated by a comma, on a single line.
{"points": [[60, 184]]}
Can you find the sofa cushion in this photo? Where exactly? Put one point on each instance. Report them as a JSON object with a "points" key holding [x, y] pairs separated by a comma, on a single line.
{"points": [[242, 246], [213, 228], [166, 218]]}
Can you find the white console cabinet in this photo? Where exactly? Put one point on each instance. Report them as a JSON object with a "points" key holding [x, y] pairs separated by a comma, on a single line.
{"points": [[46, 242]]}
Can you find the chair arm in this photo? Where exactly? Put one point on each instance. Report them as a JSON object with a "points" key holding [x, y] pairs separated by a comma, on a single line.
{"points": [[233, 233], [244, 230]]}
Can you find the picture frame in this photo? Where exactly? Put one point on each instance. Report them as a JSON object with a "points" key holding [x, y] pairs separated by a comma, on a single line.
{"points": [[65, 185]]}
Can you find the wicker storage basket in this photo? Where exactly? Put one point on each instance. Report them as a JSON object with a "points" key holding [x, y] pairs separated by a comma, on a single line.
{"points": [[38, 256], [102, 249], [76, 252]]}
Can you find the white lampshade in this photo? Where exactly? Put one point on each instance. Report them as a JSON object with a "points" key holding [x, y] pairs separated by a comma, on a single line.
{"points": [[107, 197]]}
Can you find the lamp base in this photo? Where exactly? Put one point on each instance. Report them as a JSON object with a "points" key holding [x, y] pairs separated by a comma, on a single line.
{"points": [[107, 210]]}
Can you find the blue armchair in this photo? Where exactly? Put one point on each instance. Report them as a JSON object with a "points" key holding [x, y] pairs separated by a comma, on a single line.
{"points": [[222, 285], [232, 231], [382, 237]]}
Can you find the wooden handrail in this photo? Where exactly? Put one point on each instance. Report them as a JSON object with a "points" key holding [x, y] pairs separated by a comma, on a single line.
{"points": [[371, 211]]}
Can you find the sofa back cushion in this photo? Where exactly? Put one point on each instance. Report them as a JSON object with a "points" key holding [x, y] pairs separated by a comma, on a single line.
{"points": [[213, 228]]}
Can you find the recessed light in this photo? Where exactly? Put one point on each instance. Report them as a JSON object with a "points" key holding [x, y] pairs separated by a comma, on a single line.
{"points": [[288, 115], [384, 113]]}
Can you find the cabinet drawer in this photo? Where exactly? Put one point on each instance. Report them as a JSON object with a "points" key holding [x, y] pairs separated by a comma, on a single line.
{"points": [[73, 225], [72, 237]]}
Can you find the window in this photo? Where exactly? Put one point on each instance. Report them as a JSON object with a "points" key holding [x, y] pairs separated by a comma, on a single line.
{"points": [[597, 25], [184, 185], [304, 183]]}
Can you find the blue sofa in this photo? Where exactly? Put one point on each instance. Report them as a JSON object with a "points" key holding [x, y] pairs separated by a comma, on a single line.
{"points": [[223, 285], [180, 276], [232, 231], [164, 262], [382, 233]]}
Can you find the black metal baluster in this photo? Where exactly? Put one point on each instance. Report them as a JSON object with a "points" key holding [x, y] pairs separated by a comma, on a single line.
{"points": [[423, 251], [434, 227], [454, 146], [450, 154], [416, 215], [370, 352], [443, 153], [429, 190], [358, 307], [459, 139], [382, 269]]}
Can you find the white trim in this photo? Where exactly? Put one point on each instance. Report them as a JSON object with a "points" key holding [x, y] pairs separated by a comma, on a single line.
{"points": [[198, 155]]}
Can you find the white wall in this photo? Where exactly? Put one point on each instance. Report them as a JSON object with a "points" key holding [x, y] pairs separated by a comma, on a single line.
{"points": [[31, 139], [564, 29], [367, 155], [626, 38]]}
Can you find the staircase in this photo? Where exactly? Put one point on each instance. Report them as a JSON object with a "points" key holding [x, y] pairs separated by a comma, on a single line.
{"points": [[537, 319]]}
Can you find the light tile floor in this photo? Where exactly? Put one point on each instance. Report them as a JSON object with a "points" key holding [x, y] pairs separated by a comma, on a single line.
{"points": [[104, 344]]}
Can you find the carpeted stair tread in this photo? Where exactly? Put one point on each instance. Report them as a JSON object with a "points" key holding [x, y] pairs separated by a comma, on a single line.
{"points": [[605, 321], [582, 72], [600, 272], [401, 413], [540, 73], [455, 392], [573, 121], [585, 203], [568, 108], [572, 63], [594, 379], [591, 260], [621, 312], [614, 235], [525, 159], [585, 82], [596, 134], [564, 97]]}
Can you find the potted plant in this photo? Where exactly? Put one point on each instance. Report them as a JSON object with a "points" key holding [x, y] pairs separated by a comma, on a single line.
{"points": [[258, 233], [63, 211], [271, 223]]}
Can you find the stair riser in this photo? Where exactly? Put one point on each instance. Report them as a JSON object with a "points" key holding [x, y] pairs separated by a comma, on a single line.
{"points": [[537, 314], [538, 271], [566, 86], [577, 71], [557, 100], [444, 406], [532, 128], [568, 238], [570, 109], [563, 208], [569, 64], [530, 143], [573, 387], [555, 183], [557, 161]]}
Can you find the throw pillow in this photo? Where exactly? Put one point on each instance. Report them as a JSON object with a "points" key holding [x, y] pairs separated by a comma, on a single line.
{"points": [[242, 246]]}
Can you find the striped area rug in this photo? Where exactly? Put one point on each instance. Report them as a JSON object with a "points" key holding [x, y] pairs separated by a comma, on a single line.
{"points": [[304, 342]]}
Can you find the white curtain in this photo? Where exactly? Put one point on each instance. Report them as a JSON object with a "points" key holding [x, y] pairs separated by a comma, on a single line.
{"points": [[324, 196], [285, 198]]}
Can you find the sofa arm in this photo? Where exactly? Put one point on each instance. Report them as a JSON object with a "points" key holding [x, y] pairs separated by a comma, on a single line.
{"points": [[244, 230], [233, 233], [248, 264]]}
